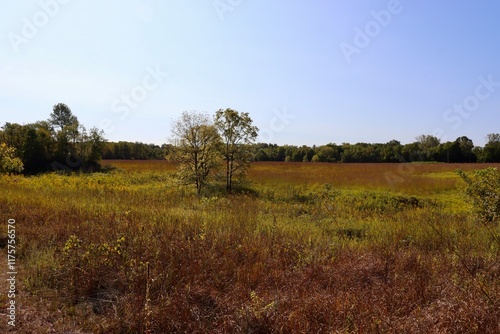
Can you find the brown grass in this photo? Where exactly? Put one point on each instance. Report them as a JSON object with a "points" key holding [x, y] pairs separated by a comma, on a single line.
{"points": [[365, 255]]}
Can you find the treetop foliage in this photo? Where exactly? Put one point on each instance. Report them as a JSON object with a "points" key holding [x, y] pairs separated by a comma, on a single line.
{"points": [[62, 116], [237, 134]]}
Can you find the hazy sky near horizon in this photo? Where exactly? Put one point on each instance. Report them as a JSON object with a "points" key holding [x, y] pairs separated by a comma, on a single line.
{"points": [[308, 72]]}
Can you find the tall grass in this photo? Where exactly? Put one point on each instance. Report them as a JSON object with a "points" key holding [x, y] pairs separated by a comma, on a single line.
{"points": [[320, 248]]}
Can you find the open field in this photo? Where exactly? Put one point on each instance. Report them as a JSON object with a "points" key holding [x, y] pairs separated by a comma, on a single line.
{"points": [[302, 248]]}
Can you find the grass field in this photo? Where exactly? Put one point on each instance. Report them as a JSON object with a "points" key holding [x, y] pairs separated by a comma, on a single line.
{"points": [[301, 248]]}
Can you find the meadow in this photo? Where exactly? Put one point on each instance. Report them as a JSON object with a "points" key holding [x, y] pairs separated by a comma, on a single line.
{"points": [[299, 248]]}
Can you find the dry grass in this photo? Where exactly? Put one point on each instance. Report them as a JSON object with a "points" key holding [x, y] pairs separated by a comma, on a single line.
{"points": [[131, 252]]}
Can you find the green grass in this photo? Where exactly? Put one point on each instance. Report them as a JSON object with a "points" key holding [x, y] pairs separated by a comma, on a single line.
{"points": [[305, 247]]}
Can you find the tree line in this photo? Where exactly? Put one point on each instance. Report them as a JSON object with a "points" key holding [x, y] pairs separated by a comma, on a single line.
{"points": [[59, 143], [205, 145], [426, 148], [124, 150]]}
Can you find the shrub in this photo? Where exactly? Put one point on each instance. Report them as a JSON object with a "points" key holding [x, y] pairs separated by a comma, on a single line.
{"points": [[483, 190], [9, 163]]}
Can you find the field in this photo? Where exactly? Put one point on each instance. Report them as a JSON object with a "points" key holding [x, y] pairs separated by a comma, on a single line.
{"points": [[301, 248]]}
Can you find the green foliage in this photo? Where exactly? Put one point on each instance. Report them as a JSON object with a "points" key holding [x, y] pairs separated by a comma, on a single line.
{"points": [[491, 151], [483, 191], [427, 148], [136, 151], [9, 163], [237, 134], [60, 143], [62, 116], [197, 146]]}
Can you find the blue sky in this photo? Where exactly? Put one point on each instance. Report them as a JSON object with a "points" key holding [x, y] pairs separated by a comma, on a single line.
{"points": [[308, 72]]}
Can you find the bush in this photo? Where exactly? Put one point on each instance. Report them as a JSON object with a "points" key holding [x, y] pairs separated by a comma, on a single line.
{"points": [[483, 190], [9, 163]]}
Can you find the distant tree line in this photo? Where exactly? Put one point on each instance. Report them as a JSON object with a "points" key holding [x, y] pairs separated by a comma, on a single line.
{"points": [[63, 143], [59, 143], [123, 150], [426, 148]]}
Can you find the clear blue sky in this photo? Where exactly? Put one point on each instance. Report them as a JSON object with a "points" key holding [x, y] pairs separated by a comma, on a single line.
{"points": [[337, 71]]}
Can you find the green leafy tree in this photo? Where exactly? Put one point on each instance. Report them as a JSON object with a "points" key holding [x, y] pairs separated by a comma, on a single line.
{"points": [[466, 146], [478, 152], [428, 146], [66, 133], [62, 116], [36, 151], [32, 142], [237, 133], [197, 144], [59, 143], [391, 151], [491, 150], [14, 135], [9, 163], [89, 147]]}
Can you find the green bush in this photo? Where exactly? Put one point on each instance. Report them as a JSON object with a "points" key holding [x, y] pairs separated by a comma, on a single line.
{"points": [[9, 163], [483, 191]]}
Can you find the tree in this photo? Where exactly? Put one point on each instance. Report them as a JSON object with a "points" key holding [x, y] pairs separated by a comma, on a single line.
{"points": [[89, 147], [9, 163], [36, 151], [449, 152], [478, 152], [493, 137], [59, 143], [61, 116], [466, 146], [428, 146], [491, 150], [13, 135], [391, 151], [237, 135], [197, 144], [66, 135], [33, 144]]}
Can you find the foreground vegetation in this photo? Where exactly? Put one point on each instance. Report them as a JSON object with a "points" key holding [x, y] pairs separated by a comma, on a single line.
{"points": [[303, 248]]}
